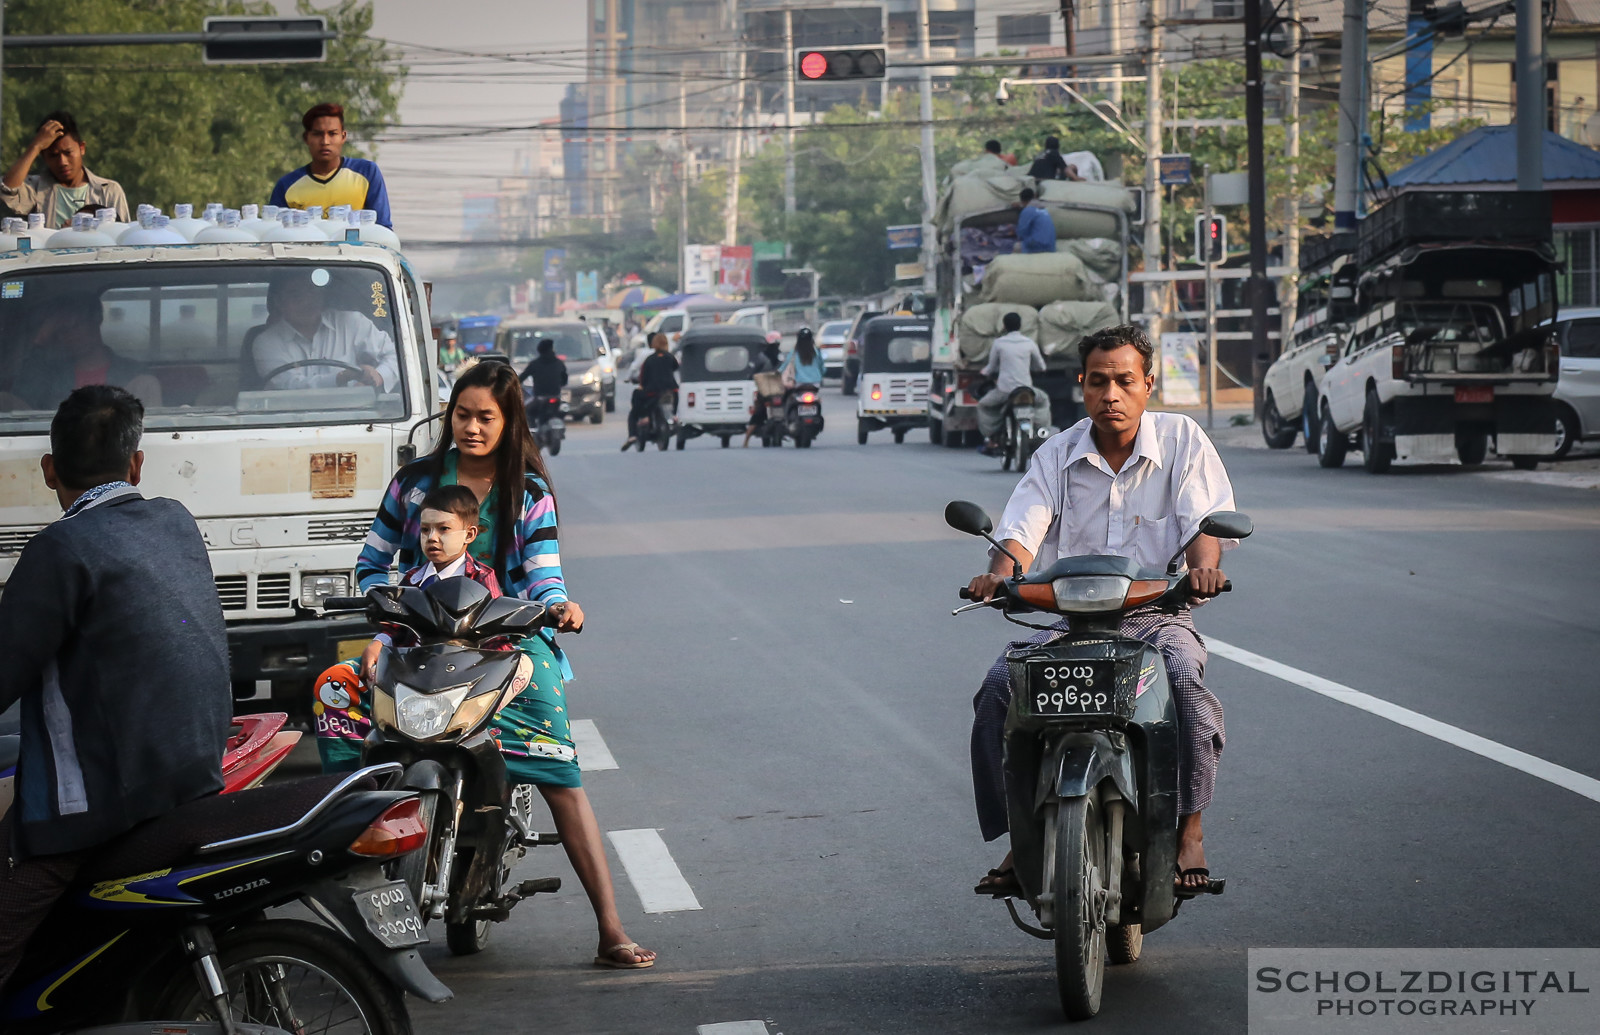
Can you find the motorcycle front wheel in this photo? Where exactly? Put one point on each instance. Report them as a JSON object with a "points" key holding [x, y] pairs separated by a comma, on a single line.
{"points": [[1079, 905], [419, 867], [296, 976]]}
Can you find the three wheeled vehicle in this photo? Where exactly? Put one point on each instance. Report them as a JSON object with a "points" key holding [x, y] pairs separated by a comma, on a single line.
{"points": [[896, 370], [715, 386]]}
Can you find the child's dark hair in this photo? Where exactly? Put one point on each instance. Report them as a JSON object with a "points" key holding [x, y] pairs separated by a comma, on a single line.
{"points": [[453, 499]]}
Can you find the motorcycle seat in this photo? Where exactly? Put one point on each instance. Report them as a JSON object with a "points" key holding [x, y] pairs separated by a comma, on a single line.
{"points": [[161, 842]]}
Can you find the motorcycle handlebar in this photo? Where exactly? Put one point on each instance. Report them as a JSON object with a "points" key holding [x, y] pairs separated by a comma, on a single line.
{"points": [[966, 594], [344, 603]]}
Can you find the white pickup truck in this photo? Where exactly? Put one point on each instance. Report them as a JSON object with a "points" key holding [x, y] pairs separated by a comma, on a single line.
{"points": [[1294, 380], [283, 464]]}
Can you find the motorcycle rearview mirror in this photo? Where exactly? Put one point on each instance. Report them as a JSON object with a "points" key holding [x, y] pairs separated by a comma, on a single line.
{"points": [[972, 519], [1224, 524]]}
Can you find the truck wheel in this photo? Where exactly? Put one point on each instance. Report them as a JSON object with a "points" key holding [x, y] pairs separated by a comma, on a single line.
{"points": [[847, 383], [725, 440], [863, 429], [611, 404], [1279, 433], [1331, 443], [1376, 455], [935, 431], [899, 435], [1308, 418], [598, 415], [1472, 447], [683, 440]]}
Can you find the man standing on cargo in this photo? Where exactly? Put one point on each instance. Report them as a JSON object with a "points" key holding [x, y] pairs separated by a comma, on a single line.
{"points": [[66, 188], [1036, 231], [332, 179]]}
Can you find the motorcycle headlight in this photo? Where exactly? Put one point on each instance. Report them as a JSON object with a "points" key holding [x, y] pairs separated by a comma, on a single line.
{"points": [[423, 716], [591, 376], [317, 586], [1091, 592]]}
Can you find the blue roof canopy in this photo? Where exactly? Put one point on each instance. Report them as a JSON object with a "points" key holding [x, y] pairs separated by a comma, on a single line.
{"points": [[1488, 154]]}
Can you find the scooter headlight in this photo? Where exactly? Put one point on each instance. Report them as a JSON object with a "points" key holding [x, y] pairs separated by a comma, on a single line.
{"points": [[1091, 592], [423, 716]]}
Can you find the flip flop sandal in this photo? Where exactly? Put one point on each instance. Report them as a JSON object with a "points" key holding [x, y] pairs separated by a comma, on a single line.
{"points": [[1000, 884], [609, 959], [1212, 887]]}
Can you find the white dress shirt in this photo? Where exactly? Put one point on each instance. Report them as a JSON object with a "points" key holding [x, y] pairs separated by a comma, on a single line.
{"points": [[1072, 503], [449, 571], [341, 336], [1012, 360]]}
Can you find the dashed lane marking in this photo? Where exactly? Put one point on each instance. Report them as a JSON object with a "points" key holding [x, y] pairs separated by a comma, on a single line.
{"points": [[654, 876], [733, 1028], [593, 754], [1490, 749]]}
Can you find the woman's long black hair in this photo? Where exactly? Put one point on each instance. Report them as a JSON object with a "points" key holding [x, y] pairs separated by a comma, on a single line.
{"points": [[805, 346], [516, 457]]}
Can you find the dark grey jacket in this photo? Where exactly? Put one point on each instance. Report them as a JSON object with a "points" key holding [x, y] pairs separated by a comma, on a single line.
{"points": [[111, 635]]}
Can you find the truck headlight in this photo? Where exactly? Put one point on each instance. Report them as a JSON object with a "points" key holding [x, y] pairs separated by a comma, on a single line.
{"points": [[591, 376], [422, 716], [317, 586]]}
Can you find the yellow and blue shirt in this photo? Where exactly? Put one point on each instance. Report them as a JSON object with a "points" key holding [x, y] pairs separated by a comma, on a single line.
{"points": [[357, 183]]}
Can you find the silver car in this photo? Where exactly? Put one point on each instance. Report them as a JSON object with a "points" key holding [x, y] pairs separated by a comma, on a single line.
{"points": [[1578, 391], [830, 341]]}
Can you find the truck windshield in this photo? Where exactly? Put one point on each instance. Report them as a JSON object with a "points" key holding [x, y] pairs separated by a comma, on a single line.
{"points": [[522, 343], [204, 346], [478, 334]]}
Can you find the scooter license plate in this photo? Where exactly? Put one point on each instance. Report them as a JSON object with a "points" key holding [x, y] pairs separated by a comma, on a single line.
{"points": [[391, 915], [808, 411], [1070, 688]]}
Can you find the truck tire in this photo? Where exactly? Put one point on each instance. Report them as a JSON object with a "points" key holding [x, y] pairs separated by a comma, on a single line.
{"points": [[1472, 447], [1331, 443], [935, 431], [1376, 455], [1309, 428], [1278, 433]]}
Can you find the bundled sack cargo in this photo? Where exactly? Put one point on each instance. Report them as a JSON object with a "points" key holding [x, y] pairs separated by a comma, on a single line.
{"points": [[980, 325], [984, 164], [1036, 280], [1063, 324], [1102, 256], [1080, 223], [991, 193]]}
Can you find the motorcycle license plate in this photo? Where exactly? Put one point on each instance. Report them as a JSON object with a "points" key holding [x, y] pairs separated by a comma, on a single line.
{"points": [[1474, 394], [1072, 688], [391, 915], [808, 411]]}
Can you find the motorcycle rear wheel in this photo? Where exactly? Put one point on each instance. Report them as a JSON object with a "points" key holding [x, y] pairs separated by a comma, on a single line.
{"points": [[1124, 943], [467, 938], [1079, 902], [296, 976]]}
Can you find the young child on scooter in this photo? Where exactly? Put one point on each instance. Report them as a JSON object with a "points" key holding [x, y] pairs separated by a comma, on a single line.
{"points": [[449, 522]]}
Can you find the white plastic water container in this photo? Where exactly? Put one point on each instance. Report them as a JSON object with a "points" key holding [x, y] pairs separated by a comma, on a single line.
{"points": [[227, 231], [152, 229], [213, 212], [374, 233], [106, 221], [332, 225], [252, 222], [184, 222], [36, 232], [81, 234], [10, 229], [294, 226]]}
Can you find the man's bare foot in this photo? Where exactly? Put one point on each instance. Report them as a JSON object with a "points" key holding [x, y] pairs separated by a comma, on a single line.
{"points": [[624, 956], [1191, 854], [1002, 880]]}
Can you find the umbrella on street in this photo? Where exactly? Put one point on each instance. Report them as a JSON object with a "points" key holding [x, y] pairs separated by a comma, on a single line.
{"points": [[631, 297]]}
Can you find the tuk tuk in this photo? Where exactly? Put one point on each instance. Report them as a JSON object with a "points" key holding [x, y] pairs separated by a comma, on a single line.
{"points": [[896, 370], [715, 385]]}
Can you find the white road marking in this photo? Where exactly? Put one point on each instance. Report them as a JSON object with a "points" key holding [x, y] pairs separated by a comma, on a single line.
{"points": [[733, 1028], [1490, 749], [592, 751], [652, 872]]}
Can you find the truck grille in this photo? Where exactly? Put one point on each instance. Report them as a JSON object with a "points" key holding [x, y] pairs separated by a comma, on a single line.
{"points": [[234, 591], [345, 528], [273, 592], [12, 540]]}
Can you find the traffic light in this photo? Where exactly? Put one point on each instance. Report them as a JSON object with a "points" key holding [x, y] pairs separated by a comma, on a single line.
{"points": [[1210, 242], [833, 64], [253, 40]]}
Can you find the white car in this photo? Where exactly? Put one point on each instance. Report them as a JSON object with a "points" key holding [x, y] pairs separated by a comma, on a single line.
{"points": [[1578, 391], [1295, 378], [831, 337]]}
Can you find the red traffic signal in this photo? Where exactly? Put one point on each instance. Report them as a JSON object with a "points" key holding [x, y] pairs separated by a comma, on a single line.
{"points": [[834, 64], [1210, 240]]}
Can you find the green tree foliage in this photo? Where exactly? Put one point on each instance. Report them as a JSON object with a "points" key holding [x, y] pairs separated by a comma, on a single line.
{"points": [[171, 129]]}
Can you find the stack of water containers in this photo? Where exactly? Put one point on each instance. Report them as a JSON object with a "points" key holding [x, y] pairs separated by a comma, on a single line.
{"points": [[215, 225]]}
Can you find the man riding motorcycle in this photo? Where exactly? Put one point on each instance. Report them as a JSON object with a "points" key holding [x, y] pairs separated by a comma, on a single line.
{"points": [[1135, 484], [1012, 360], [547, 375], [114, 643]]}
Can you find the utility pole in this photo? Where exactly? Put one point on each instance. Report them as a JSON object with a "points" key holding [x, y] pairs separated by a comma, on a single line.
{"points": [[1352, 115], [788, 128], [1153, 294], [1289, 304], [1211, 307], [930, 282], [1258, 289], [730, 214], [1531, 85], [1114, 11], [683, 185]]}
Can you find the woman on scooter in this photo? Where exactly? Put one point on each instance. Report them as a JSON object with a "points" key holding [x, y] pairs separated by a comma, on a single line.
{"points": [[485, 446], [804, 364]]}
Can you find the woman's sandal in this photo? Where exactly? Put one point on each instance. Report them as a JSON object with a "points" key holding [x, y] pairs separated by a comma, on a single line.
{"points": [[631, 948]]}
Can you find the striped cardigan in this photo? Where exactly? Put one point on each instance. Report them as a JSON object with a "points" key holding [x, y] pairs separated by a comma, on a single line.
{"points": [[534, 560]]}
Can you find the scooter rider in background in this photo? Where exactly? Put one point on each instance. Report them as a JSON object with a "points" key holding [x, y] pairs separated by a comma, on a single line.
{"points": [[547, 375], [1012, 360], [803, 366], [1134, 484], [114, 643], [769, 362], [658, 386]]}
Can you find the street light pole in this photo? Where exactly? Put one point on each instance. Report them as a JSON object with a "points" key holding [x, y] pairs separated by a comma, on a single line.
{"points": [[930, 282], [1352, 116], [1258, 287], [1153, 293], [1289, 304], [1531, 76], [683, 185], [788, 127]]}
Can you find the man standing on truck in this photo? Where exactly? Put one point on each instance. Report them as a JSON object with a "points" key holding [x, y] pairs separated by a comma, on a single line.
{"points": [[67, 188], [330, 178], [1050, 165], [1012, 360], [1036, 231]]}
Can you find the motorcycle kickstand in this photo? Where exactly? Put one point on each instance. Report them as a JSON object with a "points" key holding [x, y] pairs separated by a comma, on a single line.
{"points": [[201, 948]]}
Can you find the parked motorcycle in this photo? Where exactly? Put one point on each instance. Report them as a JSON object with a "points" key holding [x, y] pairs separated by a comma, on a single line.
{"points": [[168, 924], [1092, 758], [433, 708], [802, 415], [547, 419], [1020, 435]]}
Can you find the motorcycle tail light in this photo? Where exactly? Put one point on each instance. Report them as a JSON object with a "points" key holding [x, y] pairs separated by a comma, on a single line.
{"points": [[877, 393], [691, 398], [399, 830], [809, 397], [1398, 371]]}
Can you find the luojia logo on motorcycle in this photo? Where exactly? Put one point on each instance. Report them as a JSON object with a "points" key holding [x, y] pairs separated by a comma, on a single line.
{"points": [[1384, 991]]}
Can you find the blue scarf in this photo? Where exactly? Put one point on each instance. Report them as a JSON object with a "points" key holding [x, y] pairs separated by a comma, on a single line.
{"points": [[85, 501]]}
